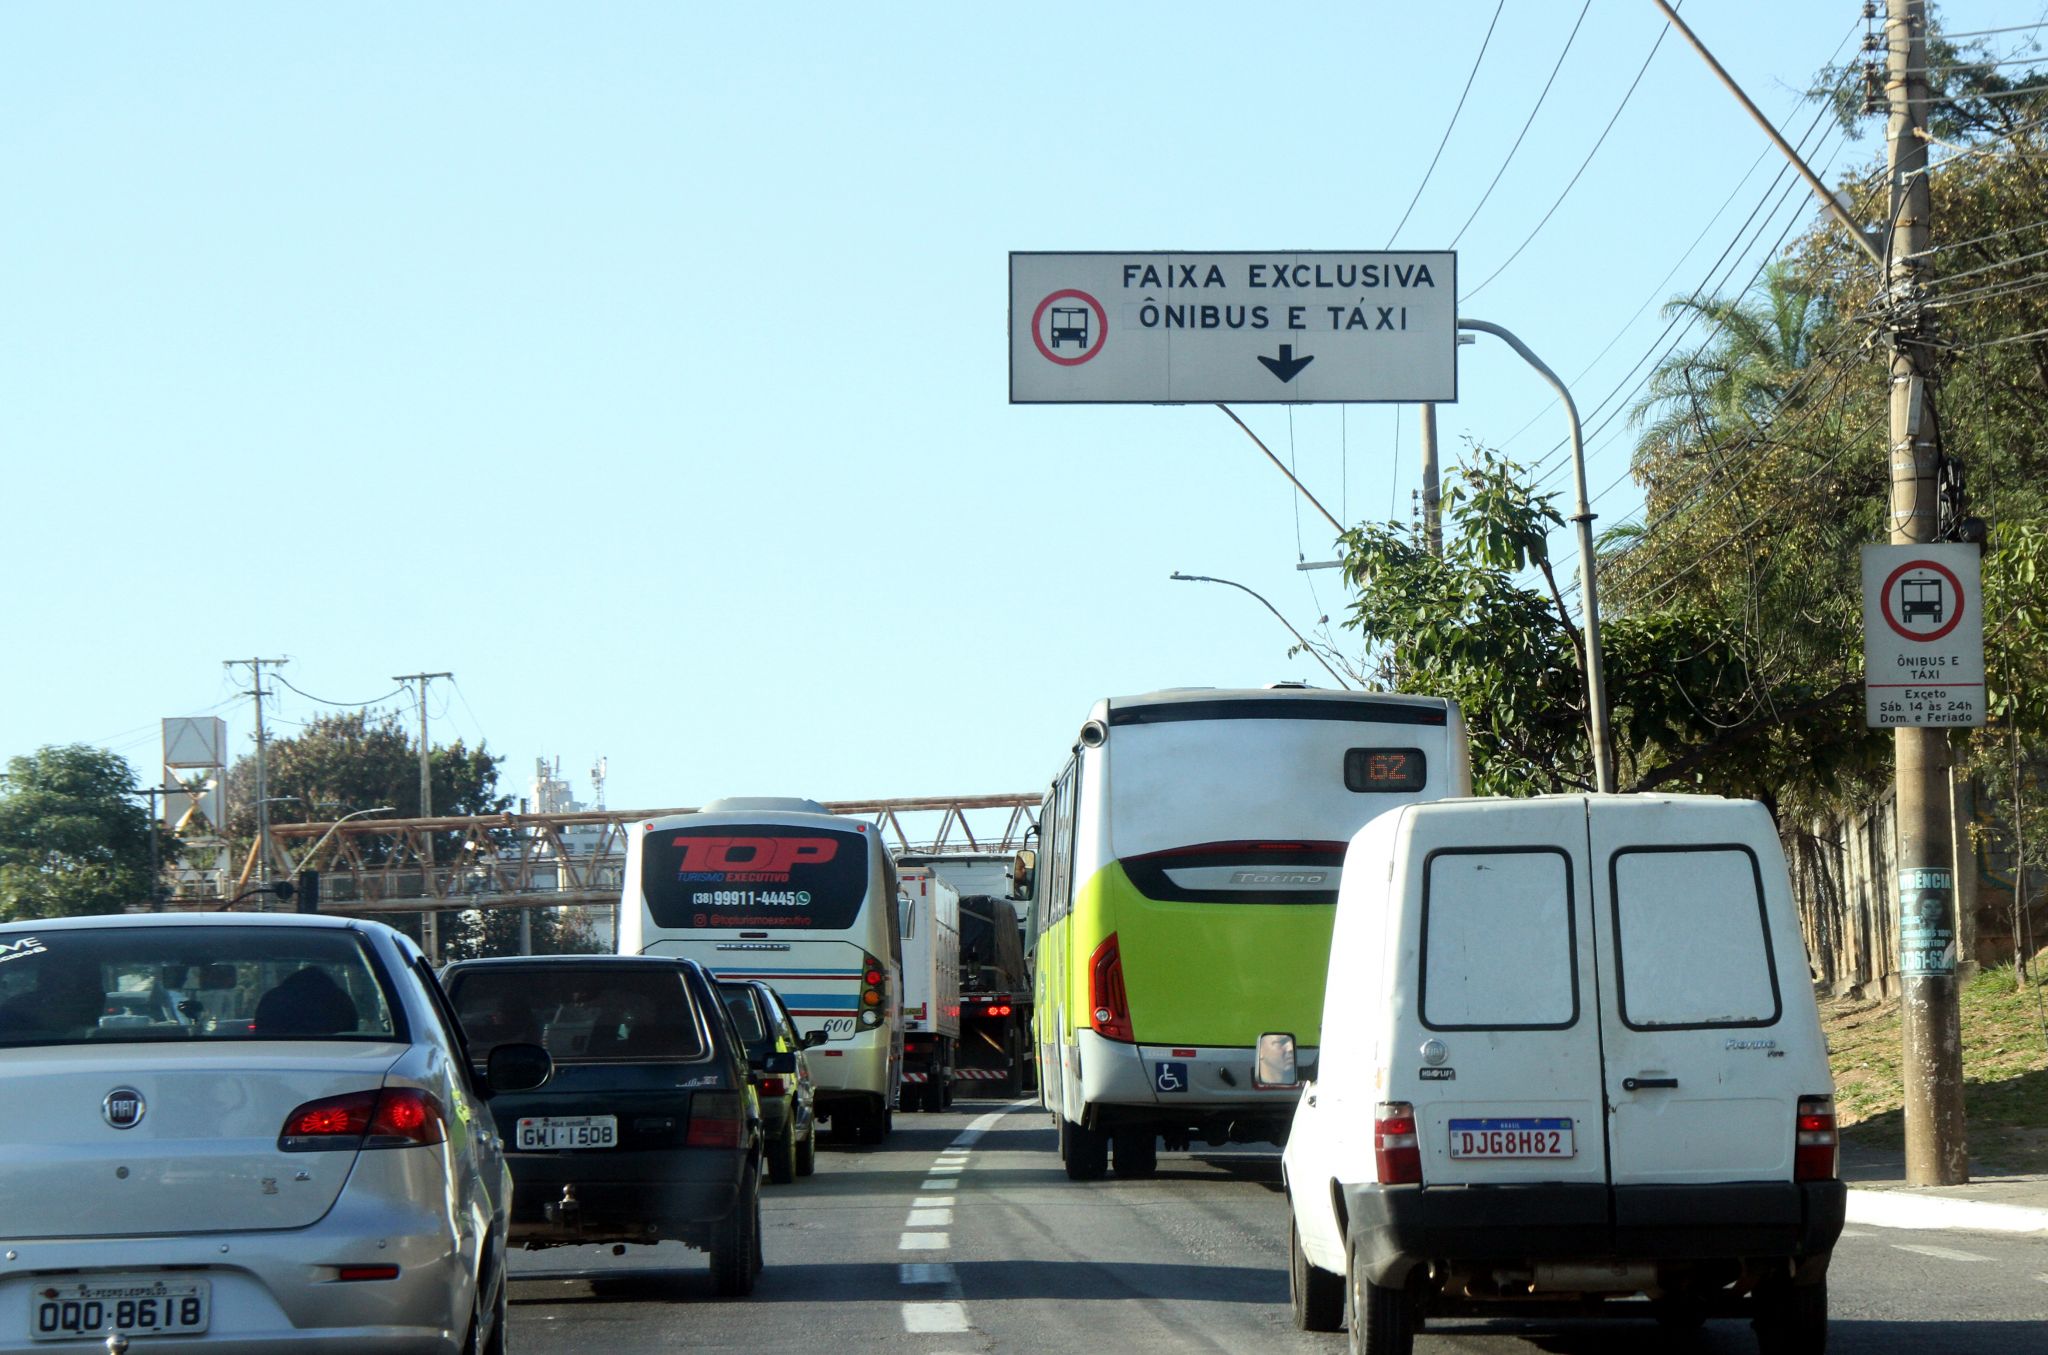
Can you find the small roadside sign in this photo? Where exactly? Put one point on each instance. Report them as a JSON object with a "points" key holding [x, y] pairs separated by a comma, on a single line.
{"points": [[1285, 327], [1923, 636]]}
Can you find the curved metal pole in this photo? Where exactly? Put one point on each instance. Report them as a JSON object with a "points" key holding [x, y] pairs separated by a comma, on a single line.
{"points": [[1204, 578], [1597, 719], [306, 861]]}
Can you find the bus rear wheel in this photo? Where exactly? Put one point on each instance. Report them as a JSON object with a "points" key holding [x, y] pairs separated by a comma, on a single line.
{"points": [[1137, 1153], [1085, 1151]]}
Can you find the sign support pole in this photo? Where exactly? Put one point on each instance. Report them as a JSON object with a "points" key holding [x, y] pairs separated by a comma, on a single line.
{"points": [[1936, 1151]]}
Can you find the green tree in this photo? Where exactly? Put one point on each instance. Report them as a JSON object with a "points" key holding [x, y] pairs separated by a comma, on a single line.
{"points": [[1692, 708], [73, 840], [495, 931], [358, 760]]}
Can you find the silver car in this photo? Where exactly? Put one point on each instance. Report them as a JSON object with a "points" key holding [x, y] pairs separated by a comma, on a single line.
{"points": [[243, 1132]]}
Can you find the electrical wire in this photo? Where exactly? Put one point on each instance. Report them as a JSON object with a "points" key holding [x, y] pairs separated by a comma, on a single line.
{"points": [[1644, 69], [1483, 44], [1994, 32], [1569, 40], [283, 681], [1999, 343]]}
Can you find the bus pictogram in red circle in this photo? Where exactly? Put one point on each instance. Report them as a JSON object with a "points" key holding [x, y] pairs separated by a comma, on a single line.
{"points": [[1885, 601], [1093, 346]]}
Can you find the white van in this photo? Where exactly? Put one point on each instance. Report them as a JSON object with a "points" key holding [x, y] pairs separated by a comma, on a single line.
{"points": [[1570, 1053]]}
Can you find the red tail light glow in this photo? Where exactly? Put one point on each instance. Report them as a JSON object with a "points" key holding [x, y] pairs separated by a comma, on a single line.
{"points": [[1815, 1140], [771, 1086], [1108, 1005], [395, 1117], [367, 1273], [1396, 1151], [715, 1120]]}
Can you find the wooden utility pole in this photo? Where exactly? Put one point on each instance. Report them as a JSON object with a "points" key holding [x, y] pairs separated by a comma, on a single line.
{"points": [[1936, 1153], [430, 931], [255, 667]]}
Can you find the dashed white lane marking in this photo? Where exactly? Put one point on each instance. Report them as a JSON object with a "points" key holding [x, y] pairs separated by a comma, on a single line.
{"points": [[1939, 1253], [929, 1213], [942, 1316]]}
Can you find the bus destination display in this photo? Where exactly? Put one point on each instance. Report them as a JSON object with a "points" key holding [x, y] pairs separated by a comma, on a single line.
{"points": [[1369, 770]]}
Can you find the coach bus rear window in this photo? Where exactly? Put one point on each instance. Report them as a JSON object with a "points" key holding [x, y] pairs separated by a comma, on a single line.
{"points": [[754, 876]]}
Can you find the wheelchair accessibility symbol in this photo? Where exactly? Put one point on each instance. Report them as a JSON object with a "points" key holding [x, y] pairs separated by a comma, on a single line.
{"points": [[1170, 1077]]}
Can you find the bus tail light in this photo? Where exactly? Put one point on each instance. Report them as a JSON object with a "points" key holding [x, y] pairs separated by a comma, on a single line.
{"points": [[1396, 1151], [716, 1119], [1108, 1005], [874, 990], [1813, 1148]]}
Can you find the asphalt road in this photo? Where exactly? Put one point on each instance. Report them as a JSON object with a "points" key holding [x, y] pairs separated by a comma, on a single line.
{"points": [[962, 1234]]}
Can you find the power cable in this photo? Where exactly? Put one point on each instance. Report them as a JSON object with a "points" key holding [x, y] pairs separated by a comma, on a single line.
{"points": [[323, 701], [1569, 40], [1644, 69], [1483, 44]]}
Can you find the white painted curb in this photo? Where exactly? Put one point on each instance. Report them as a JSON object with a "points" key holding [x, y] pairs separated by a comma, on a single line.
{"points": [[1906, 1209]]}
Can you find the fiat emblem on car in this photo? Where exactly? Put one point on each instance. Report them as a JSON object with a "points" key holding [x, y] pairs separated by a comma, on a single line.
{"points": [[1434, 1053], [123, 1108]]}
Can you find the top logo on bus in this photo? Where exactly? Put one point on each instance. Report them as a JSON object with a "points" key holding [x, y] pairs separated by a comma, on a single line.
{"points": [[711, 859]]}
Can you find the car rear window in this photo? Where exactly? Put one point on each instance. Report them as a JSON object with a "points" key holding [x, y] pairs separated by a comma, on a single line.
{"points": [[1498, 941], [745, 1005], [1692, 942], [74, 985], [582, 1014]]}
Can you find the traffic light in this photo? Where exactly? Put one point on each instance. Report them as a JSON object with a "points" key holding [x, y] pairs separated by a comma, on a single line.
{"points": [[308, 894]]}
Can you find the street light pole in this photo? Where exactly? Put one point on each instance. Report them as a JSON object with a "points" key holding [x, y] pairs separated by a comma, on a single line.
{"points": [[1204, 578], [1597, 721], [306, 861]]}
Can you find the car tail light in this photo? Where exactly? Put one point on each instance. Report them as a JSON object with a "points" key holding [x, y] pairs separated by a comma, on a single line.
{"points": [[395, 1117], [715, 1120], [1396, 1151], [1107, 1002], [1813, 1149], [771, 1086]]}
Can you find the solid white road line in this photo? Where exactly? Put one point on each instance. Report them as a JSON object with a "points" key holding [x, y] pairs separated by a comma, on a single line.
{"points": [[1939, 1253]]}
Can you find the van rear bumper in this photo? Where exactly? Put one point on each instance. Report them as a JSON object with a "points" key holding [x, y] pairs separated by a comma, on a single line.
{"points": [[1397, 1228]]}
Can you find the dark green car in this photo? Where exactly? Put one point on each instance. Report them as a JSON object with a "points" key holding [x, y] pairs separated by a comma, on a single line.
{"points": [[782, 1075]]}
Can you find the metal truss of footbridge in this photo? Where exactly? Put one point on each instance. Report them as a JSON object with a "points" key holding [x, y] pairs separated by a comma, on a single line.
{"points": [[560, 860]]}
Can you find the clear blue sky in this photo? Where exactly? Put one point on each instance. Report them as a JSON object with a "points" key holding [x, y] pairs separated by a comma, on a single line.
{"points": [[644, 364]]}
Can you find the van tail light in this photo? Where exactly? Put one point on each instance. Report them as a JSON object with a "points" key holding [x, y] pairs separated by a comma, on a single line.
{"points": [[395, 1117], [1396, 1152], [1108, 1005], [1814, 1148], [716, 1119]]}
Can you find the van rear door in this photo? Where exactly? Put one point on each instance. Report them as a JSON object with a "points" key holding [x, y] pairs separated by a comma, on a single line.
{"points": [[1704, 1067], [1503, 1065]]}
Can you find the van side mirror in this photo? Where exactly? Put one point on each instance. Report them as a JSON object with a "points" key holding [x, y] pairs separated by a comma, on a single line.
{"points": [[1023, 874], [517, 1068], [1273, 1067]]}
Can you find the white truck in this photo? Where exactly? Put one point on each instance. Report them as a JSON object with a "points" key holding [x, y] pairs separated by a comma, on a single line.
{"points": [[930, 911]]}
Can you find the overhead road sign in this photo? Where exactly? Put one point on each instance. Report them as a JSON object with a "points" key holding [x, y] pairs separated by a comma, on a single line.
{"points": [[1287, 327], [1923, 636]]}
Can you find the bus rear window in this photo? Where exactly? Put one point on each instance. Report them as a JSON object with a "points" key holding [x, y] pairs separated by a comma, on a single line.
{"points": [[754, 876]]}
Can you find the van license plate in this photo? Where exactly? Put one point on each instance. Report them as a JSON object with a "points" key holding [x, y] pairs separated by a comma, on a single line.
{"points": [[569, 1131], [118, 1303], [1512, 1138]]}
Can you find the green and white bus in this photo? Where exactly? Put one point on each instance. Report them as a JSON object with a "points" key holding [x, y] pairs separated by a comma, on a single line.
{"points": [[1182, 894]]}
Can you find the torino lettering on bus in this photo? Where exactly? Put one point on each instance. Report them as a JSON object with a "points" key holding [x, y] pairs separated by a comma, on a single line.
{"points": [[762, 877]]}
